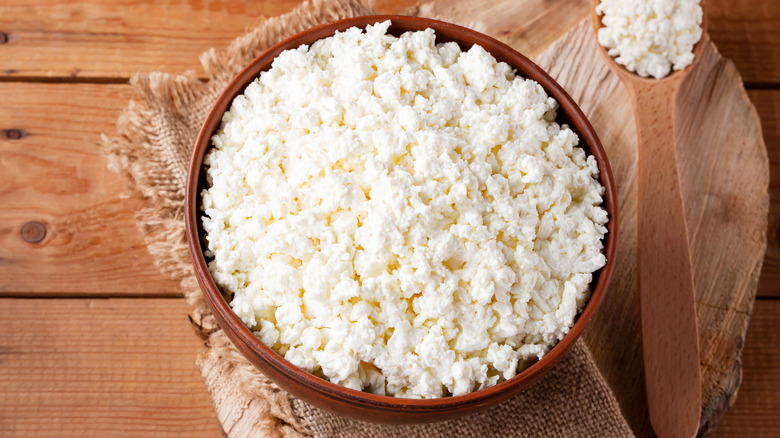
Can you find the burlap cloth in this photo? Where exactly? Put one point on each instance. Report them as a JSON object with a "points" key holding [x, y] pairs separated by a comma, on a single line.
{"points": [[152, 149]]}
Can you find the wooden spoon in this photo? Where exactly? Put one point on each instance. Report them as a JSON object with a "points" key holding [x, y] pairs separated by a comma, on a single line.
{"points": [[670, 340]]}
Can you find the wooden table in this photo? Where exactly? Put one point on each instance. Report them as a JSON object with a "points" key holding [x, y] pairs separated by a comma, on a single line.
{"points": [[93, 338]]}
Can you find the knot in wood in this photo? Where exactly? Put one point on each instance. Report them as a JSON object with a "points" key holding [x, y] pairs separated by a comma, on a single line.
{"points": [[33, 232], [13, 134]]}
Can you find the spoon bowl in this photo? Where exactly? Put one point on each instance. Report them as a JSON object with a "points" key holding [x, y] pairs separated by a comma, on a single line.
{"points": [[698, 48]]}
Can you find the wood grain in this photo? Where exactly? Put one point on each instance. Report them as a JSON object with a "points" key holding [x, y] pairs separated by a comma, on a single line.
{"points": [[107, 39], [666, 289], [717, 188], [755, 413], [114, 39], [529, 26], [669, 334], [238, 414], [58, 134], [767, 103], [54, 377], [748, 33], [103, 38], [115, 367], [726, 196], [745, 31], [54, 174]]}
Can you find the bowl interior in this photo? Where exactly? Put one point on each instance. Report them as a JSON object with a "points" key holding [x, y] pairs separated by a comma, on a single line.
{"points": [[568, 113]]}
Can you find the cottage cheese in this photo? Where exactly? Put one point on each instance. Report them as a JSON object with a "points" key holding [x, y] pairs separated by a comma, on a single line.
{"points": [[401, 217], [650, 37]]}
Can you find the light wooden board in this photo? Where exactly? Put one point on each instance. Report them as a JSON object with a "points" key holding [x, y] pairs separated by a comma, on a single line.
{"points": [[110, 39], [54, 174], [755, 414], [116, 367]]}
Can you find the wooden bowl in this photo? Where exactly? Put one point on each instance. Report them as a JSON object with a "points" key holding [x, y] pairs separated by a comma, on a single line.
{"points": [[361, 405]]}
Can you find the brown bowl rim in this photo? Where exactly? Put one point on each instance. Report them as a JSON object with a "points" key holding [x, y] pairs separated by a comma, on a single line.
{"points": [[568, 110]]}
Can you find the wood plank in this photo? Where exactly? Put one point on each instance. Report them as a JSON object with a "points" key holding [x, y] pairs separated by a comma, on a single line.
{"points": [[103, 38], [748, 33], [68, 376], [114, 39], [755, 412], [767, 103], [45, 113], [116, 367], [55, 174]]}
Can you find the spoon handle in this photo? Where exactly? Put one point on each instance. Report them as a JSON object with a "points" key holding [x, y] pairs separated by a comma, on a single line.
{"points": [[670, 341]]}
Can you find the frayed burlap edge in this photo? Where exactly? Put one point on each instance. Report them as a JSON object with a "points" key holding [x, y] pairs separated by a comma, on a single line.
{"points": [[141, 152]]}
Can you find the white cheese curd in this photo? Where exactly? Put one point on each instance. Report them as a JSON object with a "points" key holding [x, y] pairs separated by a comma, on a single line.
{"points": [[401, 217], [650, 37]]}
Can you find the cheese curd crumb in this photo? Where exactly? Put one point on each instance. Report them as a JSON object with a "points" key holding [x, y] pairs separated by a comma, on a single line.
{"points": [[401, 217], [650, 37]]}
